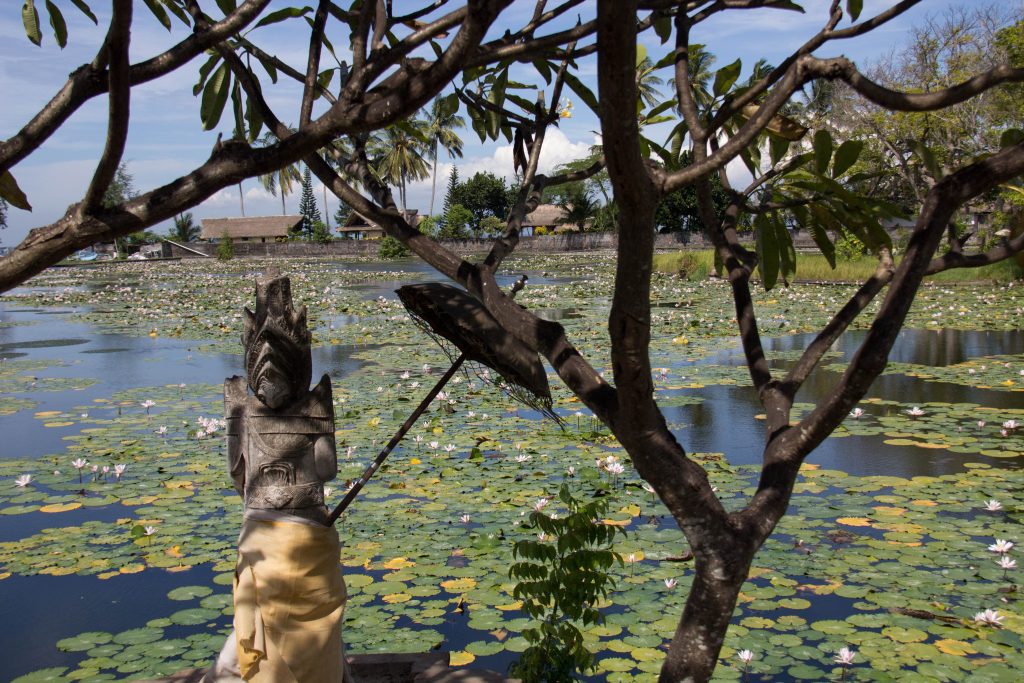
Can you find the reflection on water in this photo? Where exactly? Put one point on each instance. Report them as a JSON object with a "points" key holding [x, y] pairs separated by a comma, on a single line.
{"points": [[119, 362], [87, 604], [724, 422]]}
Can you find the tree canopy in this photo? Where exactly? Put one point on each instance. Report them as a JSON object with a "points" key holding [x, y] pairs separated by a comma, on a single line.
{"points": [[399, 57]]}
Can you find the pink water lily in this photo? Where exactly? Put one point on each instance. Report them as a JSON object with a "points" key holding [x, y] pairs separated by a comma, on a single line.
{"points": [[23, 481], [993, 505], [845, 656], [745, 656], [670, 583]]}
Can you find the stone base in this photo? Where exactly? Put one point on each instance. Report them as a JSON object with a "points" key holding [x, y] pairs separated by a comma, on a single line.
{"points": [[388, 668]]}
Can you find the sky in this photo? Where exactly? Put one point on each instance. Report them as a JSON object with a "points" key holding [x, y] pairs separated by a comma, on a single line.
{"points": [[166, 139]]}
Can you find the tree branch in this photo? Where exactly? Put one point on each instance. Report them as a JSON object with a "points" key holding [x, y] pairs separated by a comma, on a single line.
{"points": [[316, 41], [89, 80], [119, 109]]}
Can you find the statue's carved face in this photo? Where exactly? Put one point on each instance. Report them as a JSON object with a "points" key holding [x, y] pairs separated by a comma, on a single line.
{"points": [[276, 341]]}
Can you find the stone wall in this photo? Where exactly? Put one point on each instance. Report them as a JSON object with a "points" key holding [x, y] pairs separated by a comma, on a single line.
{"points": [[547, 244]]}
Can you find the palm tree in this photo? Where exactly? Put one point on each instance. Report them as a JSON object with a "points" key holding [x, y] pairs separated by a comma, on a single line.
{"points": [[399, 155], [578, 207], [440, 130], [184, 229], [284, 178], [647, 83], [700, 73]]}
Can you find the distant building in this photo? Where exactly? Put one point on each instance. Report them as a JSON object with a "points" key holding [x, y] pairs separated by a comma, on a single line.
{"points": [[550, 217], [358, 227], [255, 229]]}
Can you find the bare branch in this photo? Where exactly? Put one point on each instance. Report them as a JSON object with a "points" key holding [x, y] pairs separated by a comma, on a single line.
{"points": [[89, 80], [839, 323], [956, 259], [316, 41], [118, 112], [943, 200], [840, 68]]}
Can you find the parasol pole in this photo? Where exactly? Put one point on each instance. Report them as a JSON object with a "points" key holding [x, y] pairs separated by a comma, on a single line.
{"points": [[358, 484]]}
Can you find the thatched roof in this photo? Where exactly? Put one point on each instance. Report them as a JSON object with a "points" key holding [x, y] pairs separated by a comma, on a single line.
{"points": [[545, 215], [256, 226], [359, 223]]}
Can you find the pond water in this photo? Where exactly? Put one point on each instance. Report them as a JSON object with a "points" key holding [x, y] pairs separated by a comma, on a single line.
{"points": [[36, 611]]}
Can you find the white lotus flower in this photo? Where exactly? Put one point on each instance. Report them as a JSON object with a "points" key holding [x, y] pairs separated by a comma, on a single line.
{"points": [[989, 617], [1001, 546]]}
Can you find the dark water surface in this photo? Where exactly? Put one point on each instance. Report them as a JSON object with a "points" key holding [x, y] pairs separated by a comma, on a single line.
{"points": [[36, 611]]}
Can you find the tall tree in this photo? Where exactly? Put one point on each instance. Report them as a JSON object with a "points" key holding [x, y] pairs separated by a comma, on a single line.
{"points": [[385, 84], [580, 208], [451, 196], [441, 125], [400, 156], [307, 204], [184, 229], [283, 179]]}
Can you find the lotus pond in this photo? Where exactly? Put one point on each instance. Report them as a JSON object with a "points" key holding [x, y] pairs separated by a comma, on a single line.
{"points": [[125, 573]]}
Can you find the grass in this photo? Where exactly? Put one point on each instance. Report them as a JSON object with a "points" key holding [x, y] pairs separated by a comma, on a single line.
{"points": [[698, 265]]}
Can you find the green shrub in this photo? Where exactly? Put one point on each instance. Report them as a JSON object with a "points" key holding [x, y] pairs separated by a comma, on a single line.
{"points": [[561, 576], [321, 233], [391, 248], [226, 248], [540, 231], [849, 248]]}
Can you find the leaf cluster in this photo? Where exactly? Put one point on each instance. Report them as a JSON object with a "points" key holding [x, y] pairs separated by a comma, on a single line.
{"points": [[560, 581]]}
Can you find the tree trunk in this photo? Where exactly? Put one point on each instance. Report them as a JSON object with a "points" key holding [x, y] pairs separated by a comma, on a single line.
{"points": [[433, 182], [283, 212], [709, 607], [241, 197], [327, 213]]}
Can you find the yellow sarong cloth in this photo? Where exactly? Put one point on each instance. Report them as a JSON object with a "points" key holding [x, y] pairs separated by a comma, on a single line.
{"points": [[289, 603]]}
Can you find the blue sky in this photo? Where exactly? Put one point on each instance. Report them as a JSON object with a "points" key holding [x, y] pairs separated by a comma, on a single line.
{"points": [[166, 140]]}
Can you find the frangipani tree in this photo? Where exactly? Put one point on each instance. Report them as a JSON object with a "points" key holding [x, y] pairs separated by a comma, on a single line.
{"points": [[396, 64]]}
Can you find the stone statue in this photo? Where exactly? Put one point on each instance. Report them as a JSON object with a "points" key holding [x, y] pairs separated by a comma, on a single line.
{"points": [[289, 593]]}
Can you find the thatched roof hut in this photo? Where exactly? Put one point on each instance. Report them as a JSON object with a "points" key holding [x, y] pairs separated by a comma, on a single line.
{"points": [[550, 217], [359, 227], [246, 229]]}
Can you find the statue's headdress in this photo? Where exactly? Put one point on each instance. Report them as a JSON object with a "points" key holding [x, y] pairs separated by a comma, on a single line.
{"points": [[276, 335]]}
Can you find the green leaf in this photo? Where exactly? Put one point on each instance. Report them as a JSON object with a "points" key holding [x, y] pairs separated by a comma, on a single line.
{"points": [[282, 14], [828, 250], [853, 8], [84, 9], [543, 68], [787, 252], [1011, 136], [927, 157], [159, 12], [726, 77], [215, 96], [30, 18], [204, 73], [779, 147], [177, 11], [60, 28], [663, 28], [226, 6], [767, 251], [846, 156], [11, 193], [641, 53], [822, 151], [269, 67], [582, 91]]}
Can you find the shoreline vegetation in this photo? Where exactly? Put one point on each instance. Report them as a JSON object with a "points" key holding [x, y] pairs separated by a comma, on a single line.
{"points": [[810, 268]]}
